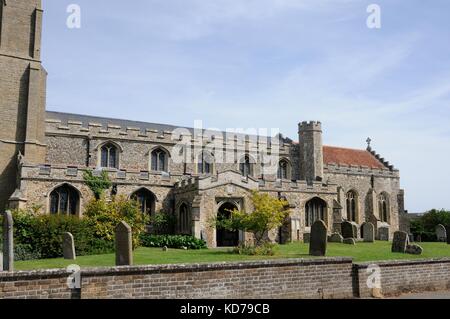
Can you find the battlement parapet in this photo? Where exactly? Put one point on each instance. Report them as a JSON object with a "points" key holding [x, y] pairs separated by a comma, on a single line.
{"points": [[310, 126]]}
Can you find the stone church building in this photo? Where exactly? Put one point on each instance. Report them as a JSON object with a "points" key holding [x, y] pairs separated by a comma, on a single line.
{"points": [[43, 156]]}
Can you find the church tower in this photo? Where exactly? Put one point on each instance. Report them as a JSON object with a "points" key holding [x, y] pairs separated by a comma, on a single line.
{"points": [[22, 91], [311, 151]]}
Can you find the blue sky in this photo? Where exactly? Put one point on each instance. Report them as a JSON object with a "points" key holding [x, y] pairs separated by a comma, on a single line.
{"points": [[269, 64]]}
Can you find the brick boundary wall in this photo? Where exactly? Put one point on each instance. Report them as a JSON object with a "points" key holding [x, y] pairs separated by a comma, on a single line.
{"points": [[291, 278], [405, 276]]}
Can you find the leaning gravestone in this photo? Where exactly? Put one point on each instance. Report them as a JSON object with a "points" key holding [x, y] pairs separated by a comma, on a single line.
{"points": [[414, 250], [368, 232], [348, 230], [400, 242], [441, 233], [69, 247], [349, 241], [318, 239], [124, 245], [8, 242], [336, 238], [383, 233]]}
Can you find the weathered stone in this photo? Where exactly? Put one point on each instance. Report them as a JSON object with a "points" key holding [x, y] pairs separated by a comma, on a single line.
{"points": [[165, 248], [349, 241], [69, 247], [447, 231], [376, 293], [318, 240], [349, 230], [414, 250], [124, 245], [336, 238], [383, 233], [306, 238], [441, 233], [368, 232], [8, 242], [1, 261], [400, 242]]}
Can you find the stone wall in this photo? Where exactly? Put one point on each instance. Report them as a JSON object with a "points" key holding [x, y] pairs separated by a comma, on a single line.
{"points": [[292, 278], [406, 276]]}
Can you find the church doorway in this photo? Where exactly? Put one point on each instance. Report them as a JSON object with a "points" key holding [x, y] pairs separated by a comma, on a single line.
{"points": [[226, 238]]}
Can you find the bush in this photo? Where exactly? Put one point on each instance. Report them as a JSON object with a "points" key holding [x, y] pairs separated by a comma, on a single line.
{"points": [[162, 223], [172, 241], [425, 226], [265, 249], [105, 216], [40, 236]]}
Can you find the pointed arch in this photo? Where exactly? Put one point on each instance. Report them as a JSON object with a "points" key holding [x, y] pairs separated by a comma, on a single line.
{"points": [[247, 165], [159, 159], [64, 199], [315, 209], [184, 218], [384, 207], [109, 154], [205, 163], [284, 169], [352, 205], [146, 199]]}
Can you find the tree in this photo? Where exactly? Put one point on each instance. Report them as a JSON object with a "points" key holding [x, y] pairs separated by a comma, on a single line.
{"points": [[268, 213], [425, 225]]}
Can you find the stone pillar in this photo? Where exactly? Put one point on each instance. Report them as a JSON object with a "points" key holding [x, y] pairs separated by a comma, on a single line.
{"points": [[69, 247], [8, 242], [311, 151], [124, 245]]}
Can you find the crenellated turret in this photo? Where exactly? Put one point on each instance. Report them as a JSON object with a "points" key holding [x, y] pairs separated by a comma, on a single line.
{"points": [[311, 151]]}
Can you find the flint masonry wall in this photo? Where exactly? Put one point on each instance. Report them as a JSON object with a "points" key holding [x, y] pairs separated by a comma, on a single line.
{"points": [[294, 278]]}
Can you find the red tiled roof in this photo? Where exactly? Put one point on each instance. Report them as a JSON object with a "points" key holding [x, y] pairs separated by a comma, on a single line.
{"points": [[339, 155]]}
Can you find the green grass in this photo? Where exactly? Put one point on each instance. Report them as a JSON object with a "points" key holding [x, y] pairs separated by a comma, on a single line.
{"points": [[147, 256]]}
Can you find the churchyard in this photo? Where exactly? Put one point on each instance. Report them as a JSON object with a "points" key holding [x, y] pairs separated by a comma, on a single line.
{"points": [[361, 252]]}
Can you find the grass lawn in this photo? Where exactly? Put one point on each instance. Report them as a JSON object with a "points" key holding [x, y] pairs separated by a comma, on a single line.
{"points": [[147, 256]]}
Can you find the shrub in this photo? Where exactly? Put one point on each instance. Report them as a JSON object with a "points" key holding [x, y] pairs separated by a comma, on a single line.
{"points": [[40, 236], [105, 216], [162, 223], [266, 249], [172, 241], [97, 184]]}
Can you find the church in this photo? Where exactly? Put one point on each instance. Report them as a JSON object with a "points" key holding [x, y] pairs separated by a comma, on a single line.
{"points": [[44, 154]]}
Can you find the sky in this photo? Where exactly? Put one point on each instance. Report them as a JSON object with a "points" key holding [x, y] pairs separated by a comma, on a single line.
{"points": [[268, 64]]}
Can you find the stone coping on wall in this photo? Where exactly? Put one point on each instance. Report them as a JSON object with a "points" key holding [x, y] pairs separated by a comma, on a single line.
{"points": [[332, 168], [172, 268], [403, 262]]}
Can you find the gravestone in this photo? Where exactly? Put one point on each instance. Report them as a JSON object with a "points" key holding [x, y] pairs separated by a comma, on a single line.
{"points": [[69, 247], [124, 245], [8, 242], [383, 233], [368, 232], [306, 238], [349, 241], [348, 230], [318, 239], [447, 230], [441, 233], [400, 242], [1, 261], [414, 250], [336, 238]]}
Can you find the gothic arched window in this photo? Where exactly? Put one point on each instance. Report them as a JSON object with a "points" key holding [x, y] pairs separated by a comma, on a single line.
{"points": [[205, 163], [64, 200], [146, 200], [351, 206], [315, 209], [246, 166], [383, 207], [109, 156], [184, 219], [159, 161], [283, 169]]}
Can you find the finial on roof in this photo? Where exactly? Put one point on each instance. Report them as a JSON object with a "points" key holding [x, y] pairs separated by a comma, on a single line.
{"points": [[368, 141]]}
